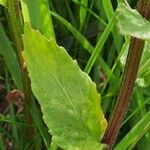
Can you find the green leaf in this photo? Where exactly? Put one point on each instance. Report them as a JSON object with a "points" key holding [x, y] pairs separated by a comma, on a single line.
{"points": [[3, 2], [136, 133], [10, 59], [91, 12], [143, 76], [84, 42], [99, 45], [83, 12], [130, 22], [36, 12], [107, 5], [68, 98]]}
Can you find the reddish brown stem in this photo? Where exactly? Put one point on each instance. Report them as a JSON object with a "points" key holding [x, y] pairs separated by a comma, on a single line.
{"points": [[130, 72]]}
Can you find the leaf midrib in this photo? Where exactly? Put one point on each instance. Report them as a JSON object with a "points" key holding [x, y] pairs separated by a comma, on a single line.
{"points": [[67, 96]]}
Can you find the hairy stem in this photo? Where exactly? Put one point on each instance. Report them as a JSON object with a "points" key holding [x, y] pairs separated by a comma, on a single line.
{"points": [[16, 32], [130, 72]]}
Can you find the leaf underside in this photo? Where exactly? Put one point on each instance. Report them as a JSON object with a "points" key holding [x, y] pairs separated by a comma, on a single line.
{"points": [[67, 96], [130, 22], [143, 76]]}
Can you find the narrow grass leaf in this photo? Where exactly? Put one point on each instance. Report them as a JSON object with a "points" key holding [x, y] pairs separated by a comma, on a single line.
{"points": [[37, 117], [109, 13], [91, 12], [135, 134], [68, 98], [84, 42], [99, 46], [10, 59], [108, 8], [136, 111], [2, 145], [83, 12], [124, 47]]}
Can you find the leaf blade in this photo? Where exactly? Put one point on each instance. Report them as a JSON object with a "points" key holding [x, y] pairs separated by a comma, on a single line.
{"points": [[130, 22], [65, 89]]}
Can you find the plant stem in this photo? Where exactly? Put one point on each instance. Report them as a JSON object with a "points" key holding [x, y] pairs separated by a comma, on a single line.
{"points": [[16, 32], [130, 72]]}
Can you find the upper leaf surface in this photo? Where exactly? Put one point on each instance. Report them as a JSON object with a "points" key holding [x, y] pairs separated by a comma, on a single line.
{"points": [[130, 22], [68, 98]]}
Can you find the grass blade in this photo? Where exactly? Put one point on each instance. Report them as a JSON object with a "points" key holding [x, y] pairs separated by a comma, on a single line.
{"points": [[84, 42], [91, 12], [109, 13], [135, 134], [10, 58], [83, 12], [99, 46]]}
